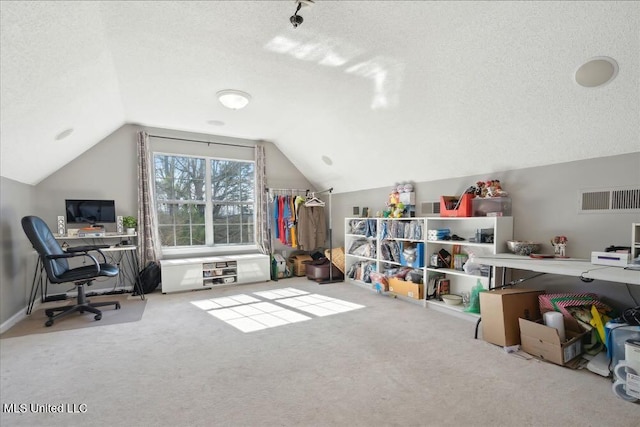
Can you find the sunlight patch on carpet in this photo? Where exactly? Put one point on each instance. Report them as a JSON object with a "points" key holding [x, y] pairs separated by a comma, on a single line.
{"points": [[249, 314]]}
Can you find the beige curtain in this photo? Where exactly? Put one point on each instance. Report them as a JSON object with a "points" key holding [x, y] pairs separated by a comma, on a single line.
{"points": [[262, 238], [148, 238]]}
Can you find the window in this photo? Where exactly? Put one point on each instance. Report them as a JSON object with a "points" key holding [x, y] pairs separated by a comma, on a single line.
{"points": [[204, 201]]}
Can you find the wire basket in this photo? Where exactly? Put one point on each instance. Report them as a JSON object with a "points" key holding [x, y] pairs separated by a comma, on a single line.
{"points": [[337, 257]]}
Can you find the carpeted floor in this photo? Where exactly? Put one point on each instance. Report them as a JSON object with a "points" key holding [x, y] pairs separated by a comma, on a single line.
{"points": [[131, 310], [387, 363]]}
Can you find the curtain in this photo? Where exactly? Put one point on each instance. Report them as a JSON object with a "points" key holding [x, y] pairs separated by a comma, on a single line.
{"points": [[262, 237], [148, 238]]}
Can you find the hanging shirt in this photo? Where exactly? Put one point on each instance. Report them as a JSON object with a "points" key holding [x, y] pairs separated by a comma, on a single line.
{"points": [[312, 228], [276, 216]]}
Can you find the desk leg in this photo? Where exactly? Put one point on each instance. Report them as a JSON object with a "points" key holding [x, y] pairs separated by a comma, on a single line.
{"points": [[35, 285], [132, 262]]}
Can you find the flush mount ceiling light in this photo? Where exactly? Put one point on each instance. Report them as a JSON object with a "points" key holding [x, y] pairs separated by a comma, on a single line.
{"points": [[597, 71], [233, 99]]}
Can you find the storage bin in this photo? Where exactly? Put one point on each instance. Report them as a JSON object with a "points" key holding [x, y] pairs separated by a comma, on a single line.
{"points": [[417, 249], [449, 206], [319, 272], [491, 206], [407, 289]]}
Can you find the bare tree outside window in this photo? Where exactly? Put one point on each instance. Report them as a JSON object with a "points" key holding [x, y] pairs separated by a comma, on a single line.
{"points": [[196, 194]]}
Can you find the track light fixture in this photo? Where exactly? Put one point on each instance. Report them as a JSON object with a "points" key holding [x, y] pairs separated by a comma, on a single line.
{"points": [[295, 18]]}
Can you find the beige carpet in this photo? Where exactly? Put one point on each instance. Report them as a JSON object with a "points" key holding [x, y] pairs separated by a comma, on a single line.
{"points": [[131, 310], [389, 363]]}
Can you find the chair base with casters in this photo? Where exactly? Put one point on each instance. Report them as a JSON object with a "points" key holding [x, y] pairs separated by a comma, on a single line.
{"points": [[81, 306]]}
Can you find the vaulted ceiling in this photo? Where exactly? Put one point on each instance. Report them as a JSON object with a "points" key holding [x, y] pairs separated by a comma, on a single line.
{"points": [[362, 94]]}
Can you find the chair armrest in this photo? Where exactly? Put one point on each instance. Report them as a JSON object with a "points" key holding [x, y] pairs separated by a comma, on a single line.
{"points": [[77, 254], [86, 249]]}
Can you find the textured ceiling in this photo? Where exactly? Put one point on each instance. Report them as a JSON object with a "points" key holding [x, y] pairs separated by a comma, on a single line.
{"points": [[387, 91]]}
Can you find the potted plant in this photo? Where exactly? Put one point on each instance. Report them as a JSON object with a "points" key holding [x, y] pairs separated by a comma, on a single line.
{"points": [[130, 223]]}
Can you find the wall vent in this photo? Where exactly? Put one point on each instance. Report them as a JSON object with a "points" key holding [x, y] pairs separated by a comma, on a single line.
{"points": [[609, 200], [429, 208]]}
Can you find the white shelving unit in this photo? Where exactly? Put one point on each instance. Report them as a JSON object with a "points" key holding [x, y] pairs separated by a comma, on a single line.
{"points": [[188, 274], [399, 232], [465, 228]]}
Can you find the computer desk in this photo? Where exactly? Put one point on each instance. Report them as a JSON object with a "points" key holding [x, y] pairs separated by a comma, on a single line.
{"points": [[116, 254]]}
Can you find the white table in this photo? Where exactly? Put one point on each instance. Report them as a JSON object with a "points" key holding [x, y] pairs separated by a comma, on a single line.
{"points": [[580, 268]]}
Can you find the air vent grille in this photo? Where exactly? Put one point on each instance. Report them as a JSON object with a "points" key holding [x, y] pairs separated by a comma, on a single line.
{"points": [[625, 199], [610, 200], [428, 208]]}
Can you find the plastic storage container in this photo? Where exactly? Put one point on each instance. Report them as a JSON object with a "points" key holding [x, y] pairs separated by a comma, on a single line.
{"points": [[615, 335], [491, 206]]}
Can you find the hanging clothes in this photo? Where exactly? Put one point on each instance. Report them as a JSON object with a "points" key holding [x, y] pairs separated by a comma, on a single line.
{"points": [[312, 228], [276, 216], [293, 224]]}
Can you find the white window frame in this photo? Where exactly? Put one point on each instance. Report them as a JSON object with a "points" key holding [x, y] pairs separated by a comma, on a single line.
{"points": [[209, 248]]}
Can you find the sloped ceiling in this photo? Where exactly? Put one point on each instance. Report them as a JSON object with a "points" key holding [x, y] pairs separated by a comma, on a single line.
{"points": [[361, 95]]}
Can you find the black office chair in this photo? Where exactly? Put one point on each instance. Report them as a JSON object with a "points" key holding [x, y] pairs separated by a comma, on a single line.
{"points": [[55, 263]]}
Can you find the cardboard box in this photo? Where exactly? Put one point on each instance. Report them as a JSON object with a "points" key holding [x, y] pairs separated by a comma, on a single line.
{"points": [[544, 343], [500, 310], [298, 262], [407, 289]]}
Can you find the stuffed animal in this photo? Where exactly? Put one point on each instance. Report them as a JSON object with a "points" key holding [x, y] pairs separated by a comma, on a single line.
{"points": [[394, 198], [489, 188]]}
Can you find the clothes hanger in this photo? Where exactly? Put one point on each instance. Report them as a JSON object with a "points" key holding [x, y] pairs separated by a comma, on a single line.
{"points": [[313, 201]]}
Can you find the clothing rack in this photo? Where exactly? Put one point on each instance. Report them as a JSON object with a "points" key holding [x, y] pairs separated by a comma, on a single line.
{"points": [[307, 192], [286, 191], [331, 279]]}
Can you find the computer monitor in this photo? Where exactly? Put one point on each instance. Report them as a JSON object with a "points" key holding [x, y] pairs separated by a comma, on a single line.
{"points": [[90, 211]]}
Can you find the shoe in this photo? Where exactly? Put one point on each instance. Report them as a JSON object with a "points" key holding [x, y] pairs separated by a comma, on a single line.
{"points": [[456, 237]]}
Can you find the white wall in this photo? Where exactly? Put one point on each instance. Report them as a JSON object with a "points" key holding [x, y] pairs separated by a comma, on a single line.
{"points": [[106, 171], [16, 201], [545, 204]]}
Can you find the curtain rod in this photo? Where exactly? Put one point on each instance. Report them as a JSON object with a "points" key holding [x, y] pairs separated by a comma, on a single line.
{"points": [[203, 142]]}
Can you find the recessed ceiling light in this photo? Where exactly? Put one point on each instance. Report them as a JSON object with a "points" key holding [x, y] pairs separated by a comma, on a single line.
{"points": [[65, 133], [233, 99], [597, 71], [215, 122], [327, 160]]}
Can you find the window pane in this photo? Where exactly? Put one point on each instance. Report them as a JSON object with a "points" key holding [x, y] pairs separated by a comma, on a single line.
{"points": [[179, 178], [181, 224], [232, 181], [233, 223]]}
